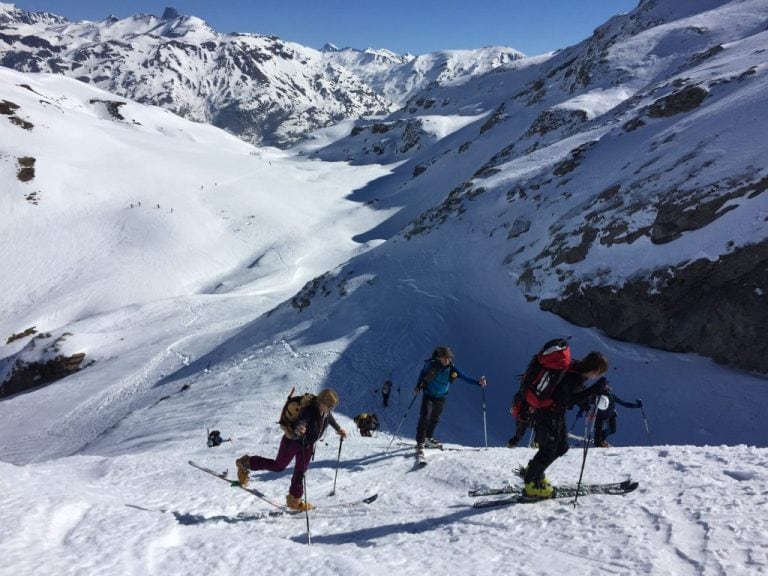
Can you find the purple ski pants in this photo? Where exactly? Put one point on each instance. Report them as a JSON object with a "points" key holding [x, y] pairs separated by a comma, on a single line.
{"points": [[289, 449]]}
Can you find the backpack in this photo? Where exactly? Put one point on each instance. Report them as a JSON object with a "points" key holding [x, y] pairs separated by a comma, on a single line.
{"points": [[369, 422], [214, 438], [431, 367], [292, 408], [545, 372]]}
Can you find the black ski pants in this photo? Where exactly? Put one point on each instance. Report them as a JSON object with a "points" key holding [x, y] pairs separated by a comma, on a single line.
{"points": [[429, 416], [552, 437]]}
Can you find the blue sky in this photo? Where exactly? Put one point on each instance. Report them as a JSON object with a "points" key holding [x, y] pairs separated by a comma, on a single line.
{"points": [[415, 26]]}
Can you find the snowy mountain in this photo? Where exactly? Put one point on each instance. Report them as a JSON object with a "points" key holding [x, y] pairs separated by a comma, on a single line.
{"points": [[398, 78], [205, 243], [619, 181], [184, 280], [260, 88]]}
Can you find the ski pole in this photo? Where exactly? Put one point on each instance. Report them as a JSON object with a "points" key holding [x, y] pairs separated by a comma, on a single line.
{"points": [[645, 421], [304, 481], [587, 438], [338, 459], [397, 430], [578, 415], [485, 426]]}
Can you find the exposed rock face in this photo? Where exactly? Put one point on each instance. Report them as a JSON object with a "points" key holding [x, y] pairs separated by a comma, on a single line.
{"points": [[714, 308], [28, 375], [41, 361]]}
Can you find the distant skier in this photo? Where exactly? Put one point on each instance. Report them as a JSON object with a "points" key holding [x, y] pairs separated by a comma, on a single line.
{"points": [[386, 390], [435, 379], [608, 415], [549, 423], [310, 425]]}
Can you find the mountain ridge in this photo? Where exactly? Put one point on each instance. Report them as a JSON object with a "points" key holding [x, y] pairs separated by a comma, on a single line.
{"points": [[263, 89]]}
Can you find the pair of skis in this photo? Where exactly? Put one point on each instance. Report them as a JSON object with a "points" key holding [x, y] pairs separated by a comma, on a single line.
{"points": [[279, 509], [511, 494], [515, 494]]}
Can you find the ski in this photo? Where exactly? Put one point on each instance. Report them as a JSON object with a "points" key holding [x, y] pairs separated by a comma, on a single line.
{"points": [[559, 493], [443, 448], [426, 447], [235, 484], [281, 510], [518, 490]]}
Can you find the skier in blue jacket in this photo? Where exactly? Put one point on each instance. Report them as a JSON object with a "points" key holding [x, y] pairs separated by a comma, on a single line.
{"points": [[435, 379]]}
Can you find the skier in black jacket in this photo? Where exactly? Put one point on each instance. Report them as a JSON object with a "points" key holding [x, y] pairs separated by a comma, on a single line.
{"points": [[608, 416], [549, 423]]}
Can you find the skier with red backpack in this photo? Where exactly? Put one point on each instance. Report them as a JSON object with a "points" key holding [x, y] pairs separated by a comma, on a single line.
{"points": [[551, 386]]}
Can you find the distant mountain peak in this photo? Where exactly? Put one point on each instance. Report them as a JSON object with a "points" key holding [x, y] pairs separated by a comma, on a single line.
{"points": [[170, 14]]}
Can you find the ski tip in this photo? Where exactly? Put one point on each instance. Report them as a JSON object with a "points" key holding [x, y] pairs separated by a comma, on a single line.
{"points": [[370, 499]]}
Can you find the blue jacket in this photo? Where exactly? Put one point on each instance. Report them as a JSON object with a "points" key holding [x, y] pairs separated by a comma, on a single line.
{"points": [[436, 380]]}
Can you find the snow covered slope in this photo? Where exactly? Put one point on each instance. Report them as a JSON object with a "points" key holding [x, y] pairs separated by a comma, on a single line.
{"points": [[150, 513], [620, 180], [203, 278], [118, 217]]}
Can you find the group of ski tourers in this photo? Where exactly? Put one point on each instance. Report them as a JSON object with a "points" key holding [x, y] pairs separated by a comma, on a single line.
{"points": [[551, 385]]}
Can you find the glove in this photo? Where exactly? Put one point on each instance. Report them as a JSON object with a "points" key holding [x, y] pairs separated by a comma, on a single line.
{"points": [[639, 403]]}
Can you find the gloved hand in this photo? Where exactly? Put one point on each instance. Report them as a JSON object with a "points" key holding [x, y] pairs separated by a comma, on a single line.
{"points": [[639, 403]]}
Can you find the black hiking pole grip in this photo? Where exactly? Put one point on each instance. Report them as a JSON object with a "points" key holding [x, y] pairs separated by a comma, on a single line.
{"points": [[338, 459], [397, 430]]}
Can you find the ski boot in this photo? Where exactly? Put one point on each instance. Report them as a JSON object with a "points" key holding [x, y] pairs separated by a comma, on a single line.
{"points": [[243, 465], [541, 489], [295, 503]]}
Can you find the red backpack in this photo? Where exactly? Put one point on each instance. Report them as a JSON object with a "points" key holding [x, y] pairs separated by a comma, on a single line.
{"points": [[545, 372]]}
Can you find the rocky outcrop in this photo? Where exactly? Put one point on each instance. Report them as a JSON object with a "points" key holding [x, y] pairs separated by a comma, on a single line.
{"points": [[715, 308], [28, 375], [41, 361]]}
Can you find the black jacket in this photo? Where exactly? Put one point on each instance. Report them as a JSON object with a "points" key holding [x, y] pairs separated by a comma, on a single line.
{"points": [[612, 401], [571, 392], [315, 423]]}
